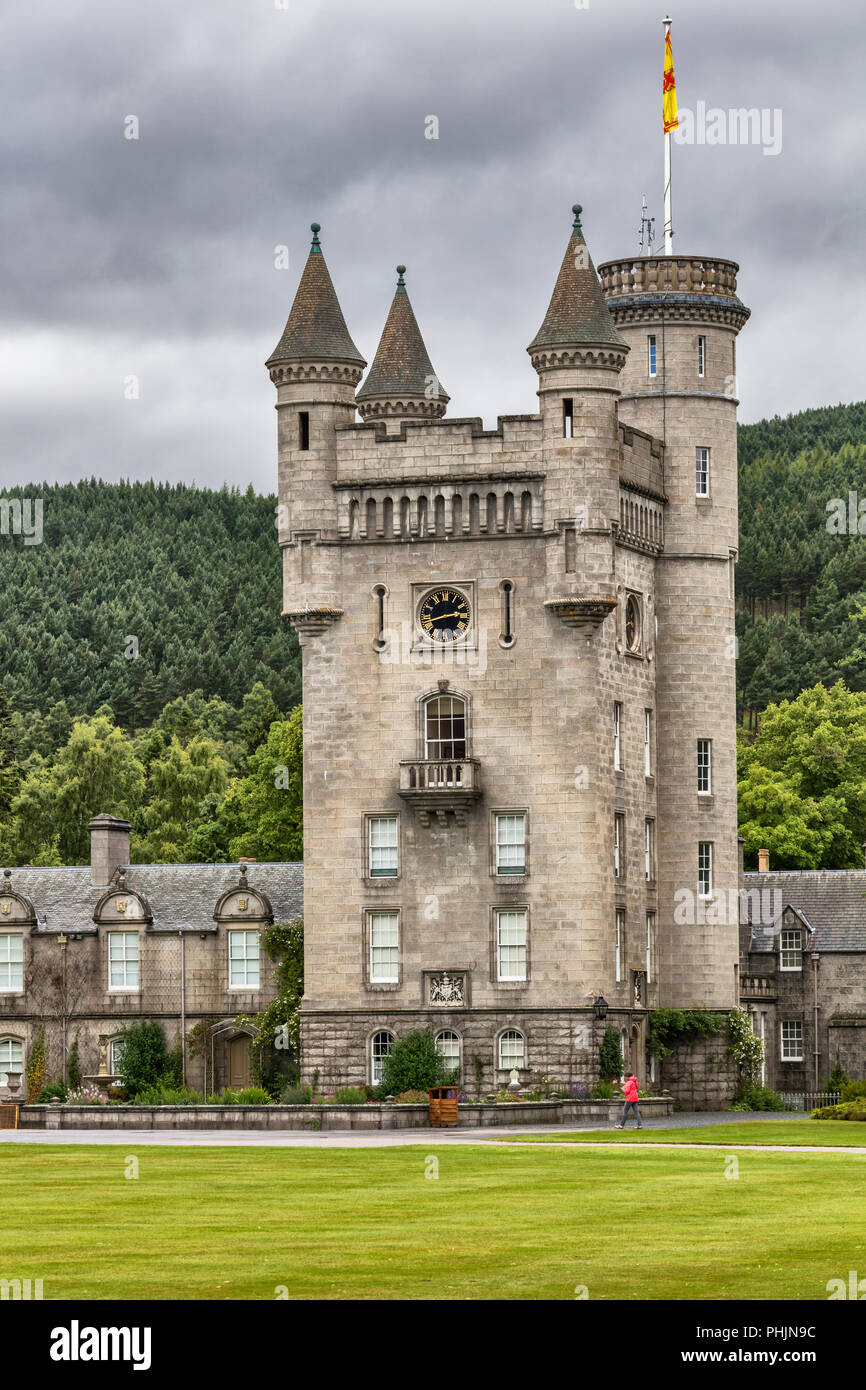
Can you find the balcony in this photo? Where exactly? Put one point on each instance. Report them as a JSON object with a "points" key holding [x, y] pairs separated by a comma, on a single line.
{"points": [[435, 787]]}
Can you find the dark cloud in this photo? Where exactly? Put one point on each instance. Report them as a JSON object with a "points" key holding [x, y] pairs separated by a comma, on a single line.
{"points": [[155, 257]]}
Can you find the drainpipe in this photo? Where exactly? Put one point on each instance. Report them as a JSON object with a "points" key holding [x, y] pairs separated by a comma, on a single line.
{"points": [[815, 1048], [182, 1008]]}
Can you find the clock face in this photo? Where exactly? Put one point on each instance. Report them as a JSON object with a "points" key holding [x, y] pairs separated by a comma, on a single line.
{"points": [[445, 615]]}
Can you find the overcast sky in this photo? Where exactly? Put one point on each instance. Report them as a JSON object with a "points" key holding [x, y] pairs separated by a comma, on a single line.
{"points": [[155, 258]]}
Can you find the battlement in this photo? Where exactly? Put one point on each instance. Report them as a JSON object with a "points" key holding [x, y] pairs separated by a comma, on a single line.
{"points": [[453, 450], [642, 461]]}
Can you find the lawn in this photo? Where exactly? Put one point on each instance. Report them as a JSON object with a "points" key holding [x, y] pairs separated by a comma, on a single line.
{"points": [[843, 1134], [208, 1223]]}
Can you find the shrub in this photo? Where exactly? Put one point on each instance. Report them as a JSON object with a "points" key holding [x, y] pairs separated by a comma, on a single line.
{"points": [[73, 1066], [610, 1063], [413, 1064], [671, 1028], [852, 1090], [349, 1095], [296, 1095], [249, 1095], [163, 1094], [849, 1110], [837, 1079], [602, 1090], [142, 1058], [55, 1091], [507, 1095], [751, 1097], [34, 1074], [412, 1098]]}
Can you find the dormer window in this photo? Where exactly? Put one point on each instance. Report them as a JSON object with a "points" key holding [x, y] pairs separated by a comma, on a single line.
{"points": [[791, 950]]}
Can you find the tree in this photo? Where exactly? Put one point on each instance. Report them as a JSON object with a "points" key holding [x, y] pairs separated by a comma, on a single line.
{"points": [[142, 1057], [178, 781], [610, 1059], [264, 812], [413, 1064]]}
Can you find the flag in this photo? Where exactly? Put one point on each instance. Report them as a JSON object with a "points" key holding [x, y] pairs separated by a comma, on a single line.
{"points": [[669, 89]]}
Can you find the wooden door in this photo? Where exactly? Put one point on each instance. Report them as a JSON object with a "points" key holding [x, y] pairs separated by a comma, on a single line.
{"points": [[239, 1063]]}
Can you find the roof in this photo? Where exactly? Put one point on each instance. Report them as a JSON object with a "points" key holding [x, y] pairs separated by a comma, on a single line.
{"points": [[401, 366], [578, 312], [182, 897], [315, 328], [832, 900]]}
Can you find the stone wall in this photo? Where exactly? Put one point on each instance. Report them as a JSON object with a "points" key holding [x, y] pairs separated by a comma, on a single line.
{"points": [[703, 1077]]}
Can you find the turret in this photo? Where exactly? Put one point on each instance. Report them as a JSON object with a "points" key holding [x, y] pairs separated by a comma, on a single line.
{"points": [[315, 368], [401, 384]]}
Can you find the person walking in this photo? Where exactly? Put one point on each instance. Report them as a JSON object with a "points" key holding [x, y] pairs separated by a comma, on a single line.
{"points": [[629, 1095]]}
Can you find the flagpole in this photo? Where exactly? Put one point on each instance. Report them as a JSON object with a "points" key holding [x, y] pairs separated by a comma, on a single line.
{"points": [[669, 227]]}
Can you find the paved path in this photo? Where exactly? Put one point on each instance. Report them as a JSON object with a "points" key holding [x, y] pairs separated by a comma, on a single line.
{"points": [[375, 1139]]}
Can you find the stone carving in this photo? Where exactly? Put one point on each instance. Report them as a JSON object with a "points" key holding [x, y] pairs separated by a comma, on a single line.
{"points": [[447, 989]]}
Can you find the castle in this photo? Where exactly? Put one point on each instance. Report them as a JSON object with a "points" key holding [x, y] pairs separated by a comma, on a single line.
{"points": [[518, 675]]}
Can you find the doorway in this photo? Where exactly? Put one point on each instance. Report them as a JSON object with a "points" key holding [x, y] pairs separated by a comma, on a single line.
{"points": [[238, 1062]]}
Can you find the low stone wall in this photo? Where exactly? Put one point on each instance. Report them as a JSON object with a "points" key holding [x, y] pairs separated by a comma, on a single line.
{"points": [[328, 1117]]}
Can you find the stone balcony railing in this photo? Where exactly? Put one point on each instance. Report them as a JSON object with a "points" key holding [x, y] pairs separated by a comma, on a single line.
{"points": [[437, 786], [448, 508], [669, 275], [757, 986]]}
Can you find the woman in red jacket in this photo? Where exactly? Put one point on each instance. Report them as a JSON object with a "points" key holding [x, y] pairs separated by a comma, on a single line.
{"points": [[629, 1095]]}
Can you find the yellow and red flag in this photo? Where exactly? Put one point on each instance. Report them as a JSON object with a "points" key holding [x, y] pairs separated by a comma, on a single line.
{"points": [[669, 89]]}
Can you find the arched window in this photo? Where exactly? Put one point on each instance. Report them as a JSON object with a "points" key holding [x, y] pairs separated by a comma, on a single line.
{"points": [[448, 1047], [380, 1045], [114, 1047], [11, 1058], [512, 1050], [444, 727]]}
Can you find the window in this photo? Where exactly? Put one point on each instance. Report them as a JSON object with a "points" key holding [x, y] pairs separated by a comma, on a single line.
{"points": [[123, 972], [568, 419], [650, 945], [511, 844], [617, 736], [702, 472], [619, 846], [792, 1042], [11, 1058], [444, 727], [705, 766], [511, 944], [243, 960], [705, 868], [648, 742], [448, 1047], [649, 850], [651, 354], [114, 1048], [380, 1046], [702, 356], [382, 846], [620, 941], [11, 960], [791, 950], [512, 1050], [304, 429], [632, 623], [384, 931], [506, 636]]}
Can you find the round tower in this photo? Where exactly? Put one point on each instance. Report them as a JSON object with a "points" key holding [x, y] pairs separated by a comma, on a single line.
{"points": [[681, 315], [315, 368], [401, 384]]}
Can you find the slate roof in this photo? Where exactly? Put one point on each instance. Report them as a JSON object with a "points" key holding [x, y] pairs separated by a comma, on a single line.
{"points": [[832, 900], [577, 313], [401, 366], [315, 329], [182, 897]]}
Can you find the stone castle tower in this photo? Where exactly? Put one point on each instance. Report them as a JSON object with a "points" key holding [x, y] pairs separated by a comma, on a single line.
{"points": [[518, 675]]}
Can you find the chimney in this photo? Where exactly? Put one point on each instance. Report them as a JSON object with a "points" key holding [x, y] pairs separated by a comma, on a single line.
{"points": [[109, 848], [763, 861]]}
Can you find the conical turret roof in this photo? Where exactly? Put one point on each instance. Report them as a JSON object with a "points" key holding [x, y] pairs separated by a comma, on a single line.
{"points": [[577, 313], [315, 329], [402, 366]]}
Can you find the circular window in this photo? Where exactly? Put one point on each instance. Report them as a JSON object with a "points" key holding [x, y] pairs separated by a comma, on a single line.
{"points": [[632, 624]]}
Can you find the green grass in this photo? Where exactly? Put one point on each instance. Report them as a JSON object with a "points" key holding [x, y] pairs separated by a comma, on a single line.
{"points": [[843, 1134], [210, 1223]]}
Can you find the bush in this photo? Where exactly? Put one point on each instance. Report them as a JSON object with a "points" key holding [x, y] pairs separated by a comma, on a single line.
{"points": [[412, 1098], [414, 1064], [507, 1095], [142, 1057], [250, 1095], [163, 1094], [849, 1110], [296, 1095], [751, 1097], [349, 1095], [853, 1090], [602, 1090], [837, 1079], [55, 1091], [610, 1063], [73, 1066], [34, 1074]]}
